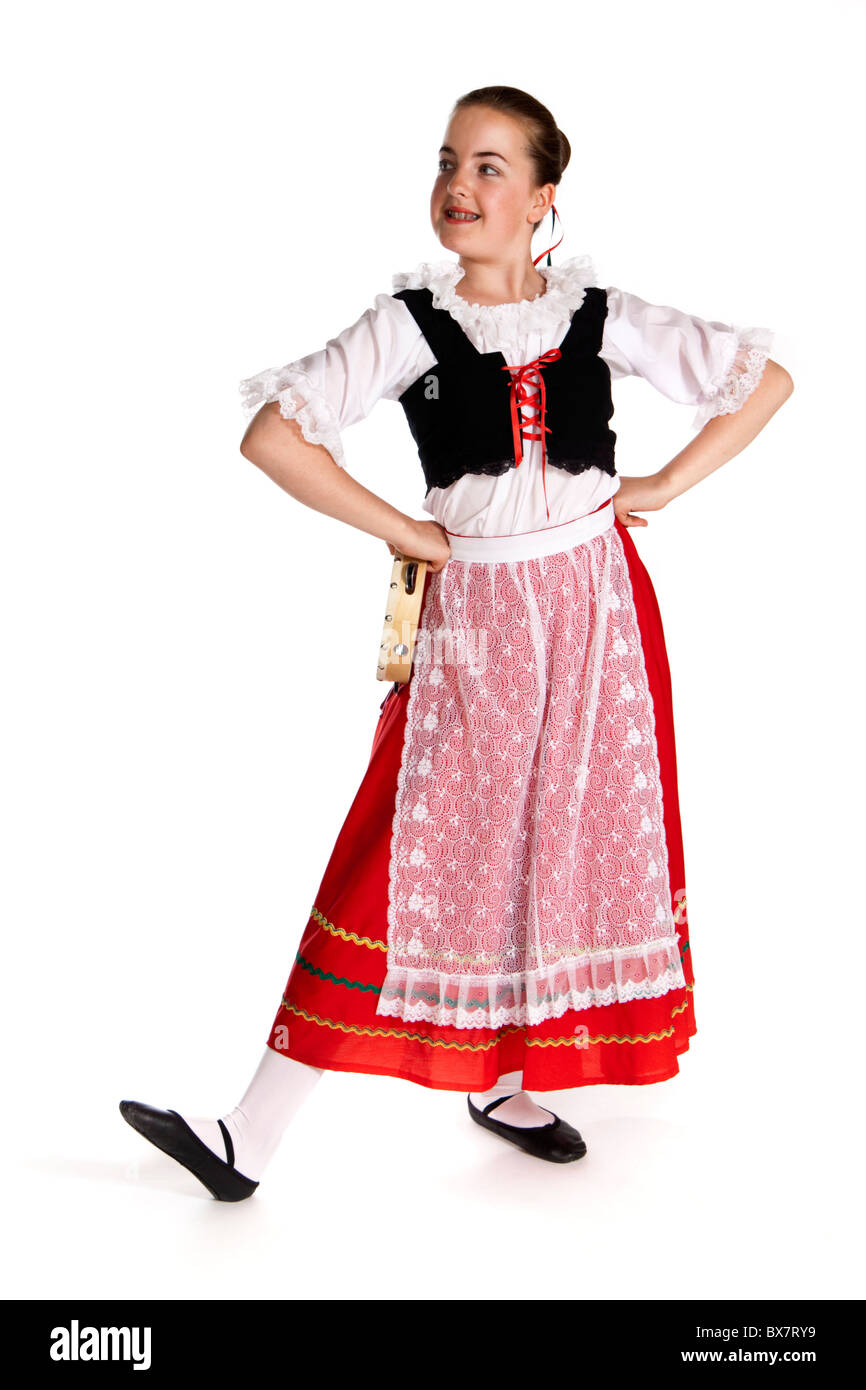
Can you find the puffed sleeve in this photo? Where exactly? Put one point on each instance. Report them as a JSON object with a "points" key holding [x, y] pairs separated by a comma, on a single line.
{"points": [[340, 383], [714, 366]]}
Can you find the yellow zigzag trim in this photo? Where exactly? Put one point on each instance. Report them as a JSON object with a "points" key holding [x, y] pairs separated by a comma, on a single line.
{"points": [[347, 935], [613, 1037], [480, 1047], [391, 1032]]}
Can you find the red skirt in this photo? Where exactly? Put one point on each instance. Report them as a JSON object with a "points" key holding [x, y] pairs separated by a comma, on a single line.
{"points": [[328, 1016]]}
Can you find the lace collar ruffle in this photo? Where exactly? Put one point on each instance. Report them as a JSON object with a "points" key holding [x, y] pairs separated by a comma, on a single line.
{"points": [[566, 285]]}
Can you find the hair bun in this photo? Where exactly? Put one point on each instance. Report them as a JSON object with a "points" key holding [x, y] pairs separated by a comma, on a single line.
{"points": [[565, 150]]}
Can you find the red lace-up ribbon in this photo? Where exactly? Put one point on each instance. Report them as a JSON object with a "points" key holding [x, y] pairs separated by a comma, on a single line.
{"points": [[528, 393]]}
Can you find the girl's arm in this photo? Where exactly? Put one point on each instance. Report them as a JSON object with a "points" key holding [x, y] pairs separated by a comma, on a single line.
{"points": [[295, 437], [309, 473], [724, 436], [725, 371]]}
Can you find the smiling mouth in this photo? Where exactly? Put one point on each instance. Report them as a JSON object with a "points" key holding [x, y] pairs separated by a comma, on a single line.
{"points": [[452, 216]]}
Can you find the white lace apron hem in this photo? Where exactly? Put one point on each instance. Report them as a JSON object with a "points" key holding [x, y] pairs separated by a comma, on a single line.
{"points": [[530, 997]]}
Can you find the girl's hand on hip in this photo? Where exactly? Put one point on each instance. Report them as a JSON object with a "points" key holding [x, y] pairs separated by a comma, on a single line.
{"points": [[639, 494], [425, 540]]}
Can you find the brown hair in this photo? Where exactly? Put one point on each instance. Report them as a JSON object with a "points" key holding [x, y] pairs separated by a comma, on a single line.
{"points": [[547, 147]]}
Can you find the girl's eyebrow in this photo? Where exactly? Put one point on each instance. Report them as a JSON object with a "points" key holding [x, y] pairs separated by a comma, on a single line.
{"points": [[446, 149]]}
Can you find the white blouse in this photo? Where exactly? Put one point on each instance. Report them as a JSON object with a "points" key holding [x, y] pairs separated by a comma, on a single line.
{"points": [[714, 366]]}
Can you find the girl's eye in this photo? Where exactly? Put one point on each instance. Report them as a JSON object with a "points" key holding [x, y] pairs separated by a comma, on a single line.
{"points": [[443, 163]]}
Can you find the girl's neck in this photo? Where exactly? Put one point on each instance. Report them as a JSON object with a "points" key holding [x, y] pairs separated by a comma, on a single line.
{"points": [[489, 286]]}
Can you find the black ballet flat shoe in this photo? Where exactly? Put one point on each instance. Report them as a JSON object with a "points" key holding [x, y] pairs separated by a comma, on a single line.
{"points": [[170, 1132], [558, 1142]]}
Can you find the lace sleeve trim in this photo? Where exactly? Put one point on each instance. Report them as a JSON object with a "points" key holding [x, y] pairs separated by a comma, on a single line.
{"points": [[735, 382], [301, 400]]}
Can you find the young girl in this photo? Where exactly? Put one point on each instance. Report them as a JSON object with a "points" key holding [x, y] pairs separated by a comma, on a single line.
{"points": [[504, 911]]}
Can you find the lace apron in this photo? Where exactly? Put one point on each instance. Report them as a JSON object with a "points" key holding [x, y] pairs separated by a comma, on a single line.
{"points": [[528, 868]]}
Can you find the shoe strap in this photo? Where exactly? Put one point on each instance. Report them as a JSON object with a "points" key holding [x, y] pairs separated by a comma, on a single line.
{"points": [[499, 1100], [230, 1148]]}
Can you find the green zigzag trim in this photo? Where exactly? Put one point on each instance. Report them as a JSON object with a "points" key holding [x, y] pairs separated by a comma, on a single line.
{"points": [[337, 979]]}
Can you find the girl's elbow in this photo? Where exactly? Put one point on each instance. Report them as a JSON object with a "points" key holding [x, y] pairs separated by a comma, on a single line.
{"points": [[247, 447], [782, 378], [250, 445]]}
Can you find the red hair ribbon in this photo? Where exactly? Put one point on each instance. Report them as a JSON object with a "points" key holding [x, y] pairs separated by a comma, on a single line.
{"points": [[554, 215], [526, 384]]}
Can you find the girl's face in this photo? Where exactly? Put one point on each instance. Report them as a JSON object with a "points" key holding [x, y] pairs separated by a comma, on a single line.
{"points": [[484, 169]]}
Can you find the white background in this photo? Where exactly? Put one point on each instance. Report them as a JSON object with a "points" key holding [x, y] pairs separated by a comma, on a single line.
{"points": [[200, 191]]}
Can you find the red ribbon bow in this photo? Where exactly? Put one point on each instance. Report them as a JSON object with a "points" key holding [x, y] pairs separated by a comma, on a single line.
{"points": [[527, 383]]}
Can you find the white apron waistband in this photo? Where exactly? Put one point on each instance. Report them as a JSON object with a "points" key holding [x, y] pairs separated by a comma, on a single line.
{"points": [[528, 545]]}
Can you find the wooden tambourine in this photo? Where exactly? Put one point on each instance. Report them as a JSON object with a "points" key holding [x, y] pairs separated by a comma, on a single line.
{"points": [[402, 612]]}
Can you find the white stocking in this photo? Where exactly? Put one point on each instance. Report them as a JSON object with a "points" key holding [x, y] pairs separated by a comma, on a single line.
{"points": [[256, 1125]]}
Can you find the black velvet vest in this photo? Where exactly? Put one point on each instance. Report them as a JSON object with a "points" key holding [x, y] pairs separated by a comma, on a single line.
{"points": [[459, 411]]}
